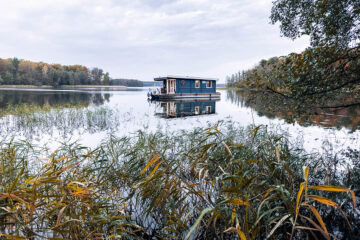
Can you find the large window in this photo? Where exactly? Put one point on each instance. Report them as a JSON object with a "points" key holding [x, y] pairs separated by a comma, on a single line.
{"points": [[209, 84], [197, 84]]}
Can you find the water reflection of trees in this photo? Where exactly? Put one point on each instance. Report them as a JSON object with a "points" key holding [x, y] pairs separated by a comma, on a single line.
{"points": [[41, 98], [32, 114], [275, 106]]}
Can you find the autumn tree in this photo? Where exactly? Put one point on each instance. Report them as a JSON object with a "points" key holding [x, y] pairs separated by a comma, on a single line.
{"points": [[327, 22], [332, 63], [21, 72]]}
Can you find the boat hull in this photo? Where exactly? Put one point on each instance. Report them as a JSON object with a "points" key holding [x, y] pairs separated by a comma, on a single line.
{"points": [[179, 96]]}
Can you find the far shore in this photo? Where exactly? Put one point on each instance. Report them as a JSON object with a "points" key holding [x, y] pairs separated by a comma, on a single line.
{"points": [[92, 86], [63, 86]]}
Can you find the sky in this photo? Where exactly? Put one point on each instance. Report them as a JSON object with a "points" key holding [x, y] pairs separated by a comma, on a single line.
{"points": [[143, 39]]}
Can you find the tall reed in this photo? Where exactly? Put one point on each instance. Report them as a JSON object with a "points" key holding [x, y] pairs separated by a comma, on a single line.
{"points": [[217, 182]]}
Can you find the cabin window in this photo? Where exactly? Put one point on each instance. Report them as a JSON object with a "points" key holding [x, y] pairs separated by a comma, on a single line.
{"points": [[208, 109], [197, 84], [209, 84], [197, 110], [171, 109]]}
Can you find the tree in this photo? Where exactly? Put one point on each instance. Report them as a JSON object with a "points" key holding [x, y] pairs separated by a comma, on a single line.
{"points": [[327, 22], [317, 72], [3, 66], [228, 83], [332, 63], [96, 75], [263, 62], [15, 70], [106, 79], [38, 75]]}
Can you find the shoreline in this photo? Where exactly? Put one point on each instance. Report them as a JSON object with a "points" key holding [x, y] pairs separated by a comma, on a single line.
{"points": [[239, 88], [60, 87], [27, 86], [93, 86]]}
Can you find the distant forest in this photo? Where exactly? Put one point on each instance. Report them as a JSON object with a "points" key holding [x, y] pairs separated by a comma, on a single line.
{"points": [[254, 77], [22, 72], [127, 82]]}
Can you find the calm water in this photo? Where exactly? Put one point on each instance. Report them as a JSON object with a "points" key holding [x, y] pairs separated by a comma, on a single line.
{"points": [[98, 113]]}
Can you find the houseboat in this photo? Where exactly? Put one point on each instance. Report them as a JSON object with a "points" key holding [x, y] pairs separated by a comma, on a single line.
{"points": [[185, 87]]}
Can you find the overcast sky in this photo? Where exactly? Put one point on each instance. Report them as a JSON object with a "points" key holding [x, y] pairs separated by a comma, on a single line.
{"points": [[144, 38]]}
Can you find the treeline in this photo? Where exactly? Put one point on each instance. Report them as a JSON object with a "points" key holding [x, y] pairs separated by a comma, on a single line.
{"points": [[313, 73], [14, 71], [252, 78], [21, 72], [127, 82]]}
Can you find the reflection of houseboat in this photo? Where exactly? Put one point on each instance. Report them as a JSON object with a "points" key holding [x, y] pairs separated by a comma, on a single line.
{"points": [[172, 109], [176, 87]]}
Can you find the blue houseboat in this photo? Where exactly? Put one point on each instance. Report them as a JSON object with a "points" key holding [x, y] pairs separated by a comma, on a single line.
{"points": [[177, 87]]}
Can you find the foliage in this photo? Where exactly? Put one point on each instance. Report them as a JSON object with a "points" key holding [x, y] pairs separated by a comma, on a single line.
{"points": [[221, 182], [106, 79], [331, 65], [317, 72], [327, 22], [21, 72], [256, 77], [307, 76], [126, 82], [59, 198], [15, 72]]}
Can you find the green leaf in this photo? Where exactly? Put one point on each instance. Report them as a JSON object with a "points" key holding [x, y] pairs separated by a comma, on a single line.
{"points": [[197, 222]]}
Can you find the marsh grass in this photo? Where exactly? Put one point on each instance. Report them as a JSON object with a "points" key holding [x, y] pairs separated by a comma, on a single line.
{"points": [[30, 109], [221, 182], [34, 120]]}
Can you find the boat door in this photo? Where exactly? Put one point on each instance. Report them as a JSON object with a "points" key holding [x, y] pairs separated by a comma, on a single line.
{"points": [[171, 86]]}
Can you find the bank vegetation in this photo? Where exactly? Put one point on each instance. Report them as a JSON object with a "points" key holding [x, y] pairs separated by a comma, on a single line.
{"points": [[219, 182]]}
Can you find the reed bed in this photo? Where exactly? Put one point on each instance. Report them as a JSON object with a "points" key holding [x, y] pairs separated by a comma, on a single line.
{"points": [[26, 109], [217, 182], [33, 120]]}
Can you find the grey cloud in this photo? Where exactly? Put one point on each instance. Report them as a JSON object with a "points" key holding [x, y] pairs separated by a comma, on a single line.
{"points": [[143, 38]]}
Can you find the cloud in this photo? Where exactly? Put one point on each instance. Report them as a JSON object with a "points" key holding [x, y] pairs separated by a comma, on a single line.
{"points": [[144, 38]]}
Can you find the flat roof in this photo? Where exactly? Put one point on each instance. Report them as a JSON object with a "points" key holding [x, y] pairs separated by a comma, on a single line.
{"points": [[184, 77]]}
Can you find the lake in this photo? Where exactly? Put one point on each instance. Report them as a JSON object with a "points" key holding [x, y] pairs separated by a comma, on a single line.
{"points": [[88, 116], [140, 181]]}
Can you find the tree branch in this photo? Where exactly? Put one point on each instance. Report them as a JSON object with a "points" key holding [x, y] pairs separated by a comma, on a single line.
{"points": [[340, 106], [334, 88], [279, 93]]}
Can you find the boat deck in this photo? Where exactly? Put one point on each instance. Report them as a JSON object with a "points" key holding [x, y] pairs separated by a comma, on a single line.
{"points": [[163, 96]]}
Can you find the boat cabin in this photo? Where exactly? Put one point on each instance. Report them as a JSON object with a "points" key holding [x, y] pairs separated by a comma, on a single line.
{"points": [[186, 87]]}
